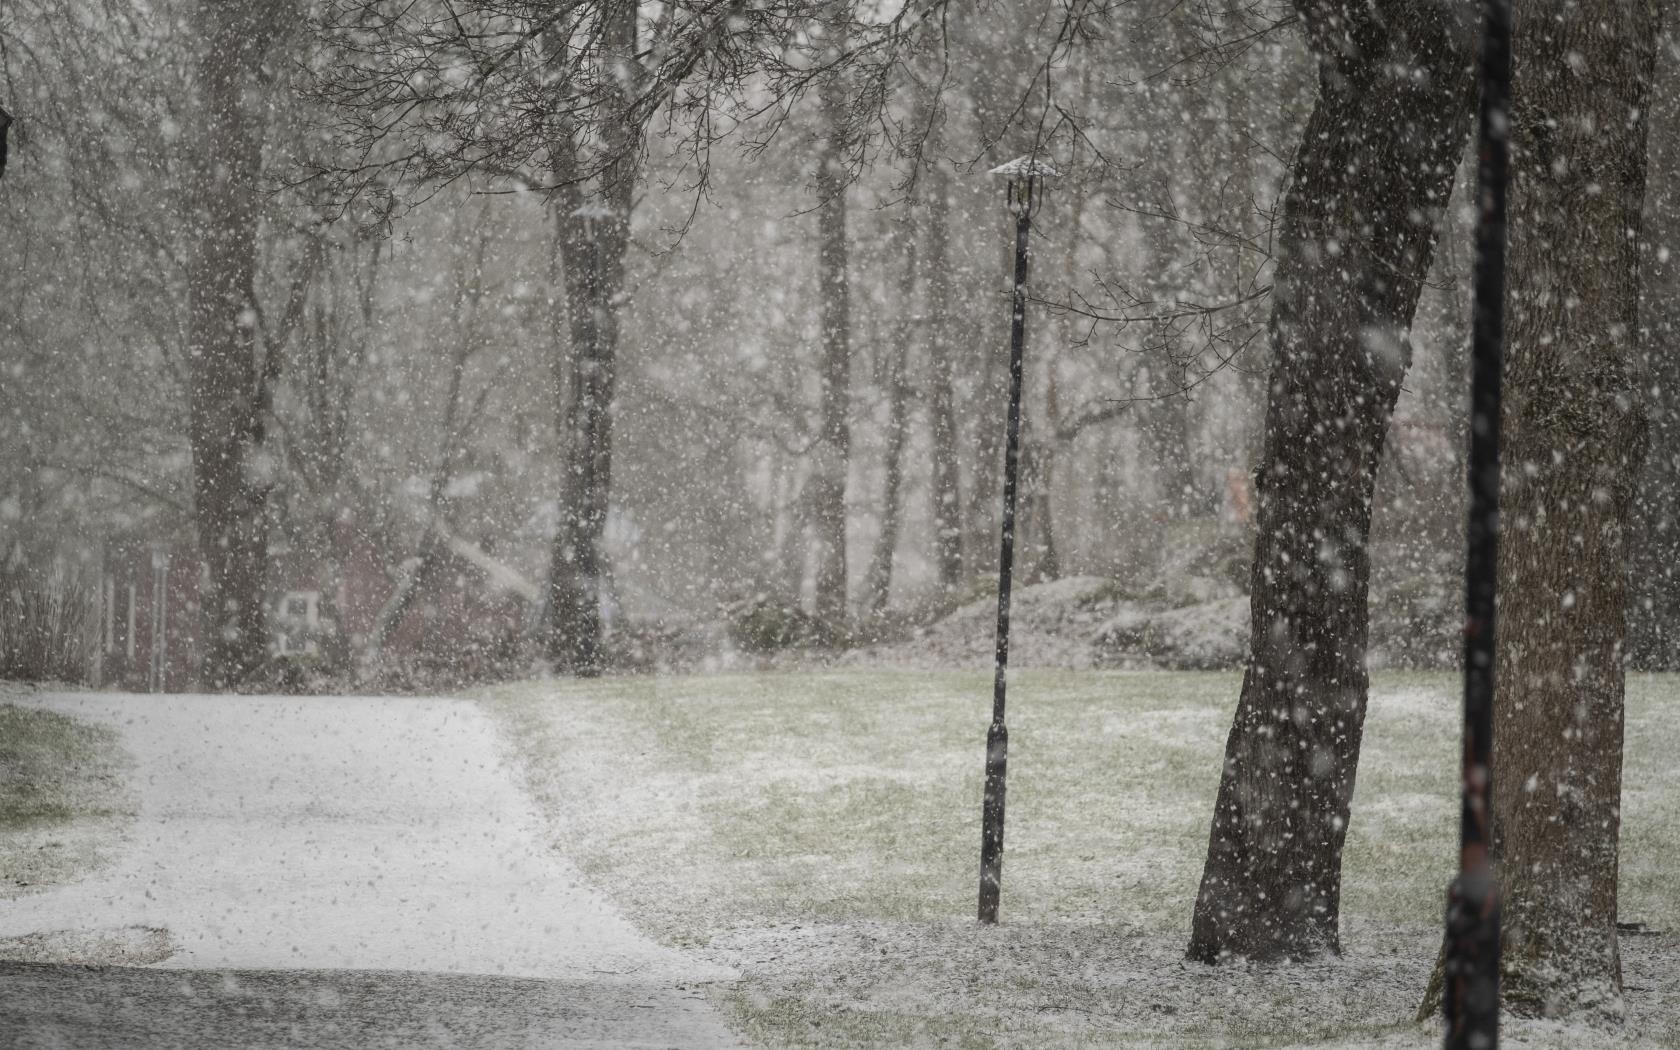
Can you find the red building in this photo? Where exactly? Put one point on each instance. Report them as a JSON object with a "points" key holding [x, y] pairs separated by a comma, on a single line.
{"points": [[463, 612]]}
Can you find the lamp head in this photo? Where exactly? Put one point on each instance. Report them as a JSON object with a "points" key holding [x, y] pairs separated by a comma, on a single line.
{"points": [[1025, 177]]}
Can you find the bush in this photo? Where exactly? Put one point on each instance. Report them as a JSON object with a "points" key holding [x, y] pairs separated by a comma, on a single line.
{"points": [[45, 618], [761, 624]]}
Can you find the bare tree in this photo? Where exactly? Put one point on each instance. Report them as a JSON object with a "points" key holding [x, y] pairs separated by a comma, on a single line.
{"points": [[833, 446], [595, 239], [1370, 181], [1575, 436], [552, 98], [227, 387]]}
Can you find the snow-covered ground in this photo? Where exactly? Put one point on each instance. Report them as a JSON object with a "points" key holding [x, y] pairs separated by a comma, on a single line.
{"points": [[351, 834], [797, 847], [818, 833]]}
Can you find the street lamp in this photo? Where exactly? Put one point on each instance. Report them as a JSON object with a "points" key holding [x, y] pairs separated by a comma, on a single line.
{"points": [[1470, 998], [1024, 194]]}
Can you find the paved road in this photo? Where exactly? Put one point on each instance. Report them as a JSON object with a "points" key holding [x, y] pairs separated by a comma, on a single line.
{"points": [[384, 840]]}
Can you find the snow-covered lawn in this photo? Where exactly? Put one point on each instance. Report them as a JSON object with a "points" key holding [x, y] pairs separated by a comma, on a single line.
{"points": [[63, 797], [819, 833]]}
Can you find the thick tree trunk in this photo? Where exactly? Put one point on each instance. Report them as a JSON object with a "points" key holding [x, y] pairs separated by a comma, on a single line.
{"points": [[945, 487], [833, 447], [225, 426], [594, 245], [578, 563], [1574, 438], [1370, 181]]}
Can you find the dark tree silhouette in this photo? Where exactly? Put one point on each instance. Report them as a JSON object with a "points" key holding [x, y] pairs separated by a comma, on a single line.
{"points": [[1370, 181], [1575, 438], [225, 383]]}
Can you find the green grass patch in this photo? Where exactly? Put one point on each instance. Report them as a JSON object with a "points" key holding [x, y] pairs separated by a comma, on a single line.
{"points": [[63, 799], [820, 834]]}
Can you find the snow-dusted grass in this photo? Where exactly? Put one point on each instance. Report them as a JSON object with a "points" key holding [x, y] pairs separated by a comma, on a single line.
{"points": [[63, 800], [819, 833]]}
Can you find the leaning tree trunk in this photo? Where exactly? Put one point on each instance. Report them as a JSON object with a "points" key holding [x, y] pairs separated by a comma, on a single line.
{"points": [[594, 248], [1575, 438], [225, 427], [1370, 181], [833, 446]]}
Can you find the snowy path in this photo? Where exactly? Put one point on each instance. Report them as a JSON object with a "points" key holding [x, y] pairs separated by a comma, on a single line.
{"points": [[358, 834]]}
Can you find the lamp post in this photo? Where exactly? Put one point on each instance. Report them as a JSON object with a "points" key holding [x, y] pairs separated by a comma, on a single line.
{"points": [[1470, 999], [1024, 193]]}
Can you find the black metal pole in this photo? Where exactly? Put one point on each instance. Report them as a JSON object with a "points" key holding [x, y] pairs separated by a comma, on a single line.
{"points": [[997, 737], [5, 125], [1471, 997]]}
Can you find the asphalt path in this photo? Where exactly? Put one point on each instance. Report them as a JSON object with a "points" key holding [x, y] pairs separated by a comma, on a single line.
{"points": [[333, 871]]}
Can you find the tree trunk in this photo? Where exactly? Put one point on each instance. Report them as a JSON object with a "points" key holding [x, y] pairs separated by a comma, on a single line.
{"points": [[945, 486], [833, 446], [578, 564], [1654, 614], [877, 587], [594, 245], [225, 427], [1574, 438], [1370, 182]]}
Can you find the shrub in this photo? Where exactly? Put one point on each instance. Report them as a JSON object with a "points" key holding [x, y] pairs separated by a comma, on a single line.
{"points": [[761, 624], [46, 614]]}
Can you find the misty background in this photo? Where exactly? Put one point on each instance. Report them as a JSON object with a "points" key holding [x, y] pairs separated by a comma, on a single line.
{"points": [[782, 253]]}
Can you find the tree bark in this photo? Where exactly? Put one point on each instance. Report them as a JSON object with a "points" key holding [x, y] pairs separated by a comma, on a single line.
{"points": [[1575, 433], [1370, 181], [1654, 614], [578, 563], [833, 446], [593, 249], [225, 427]]}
